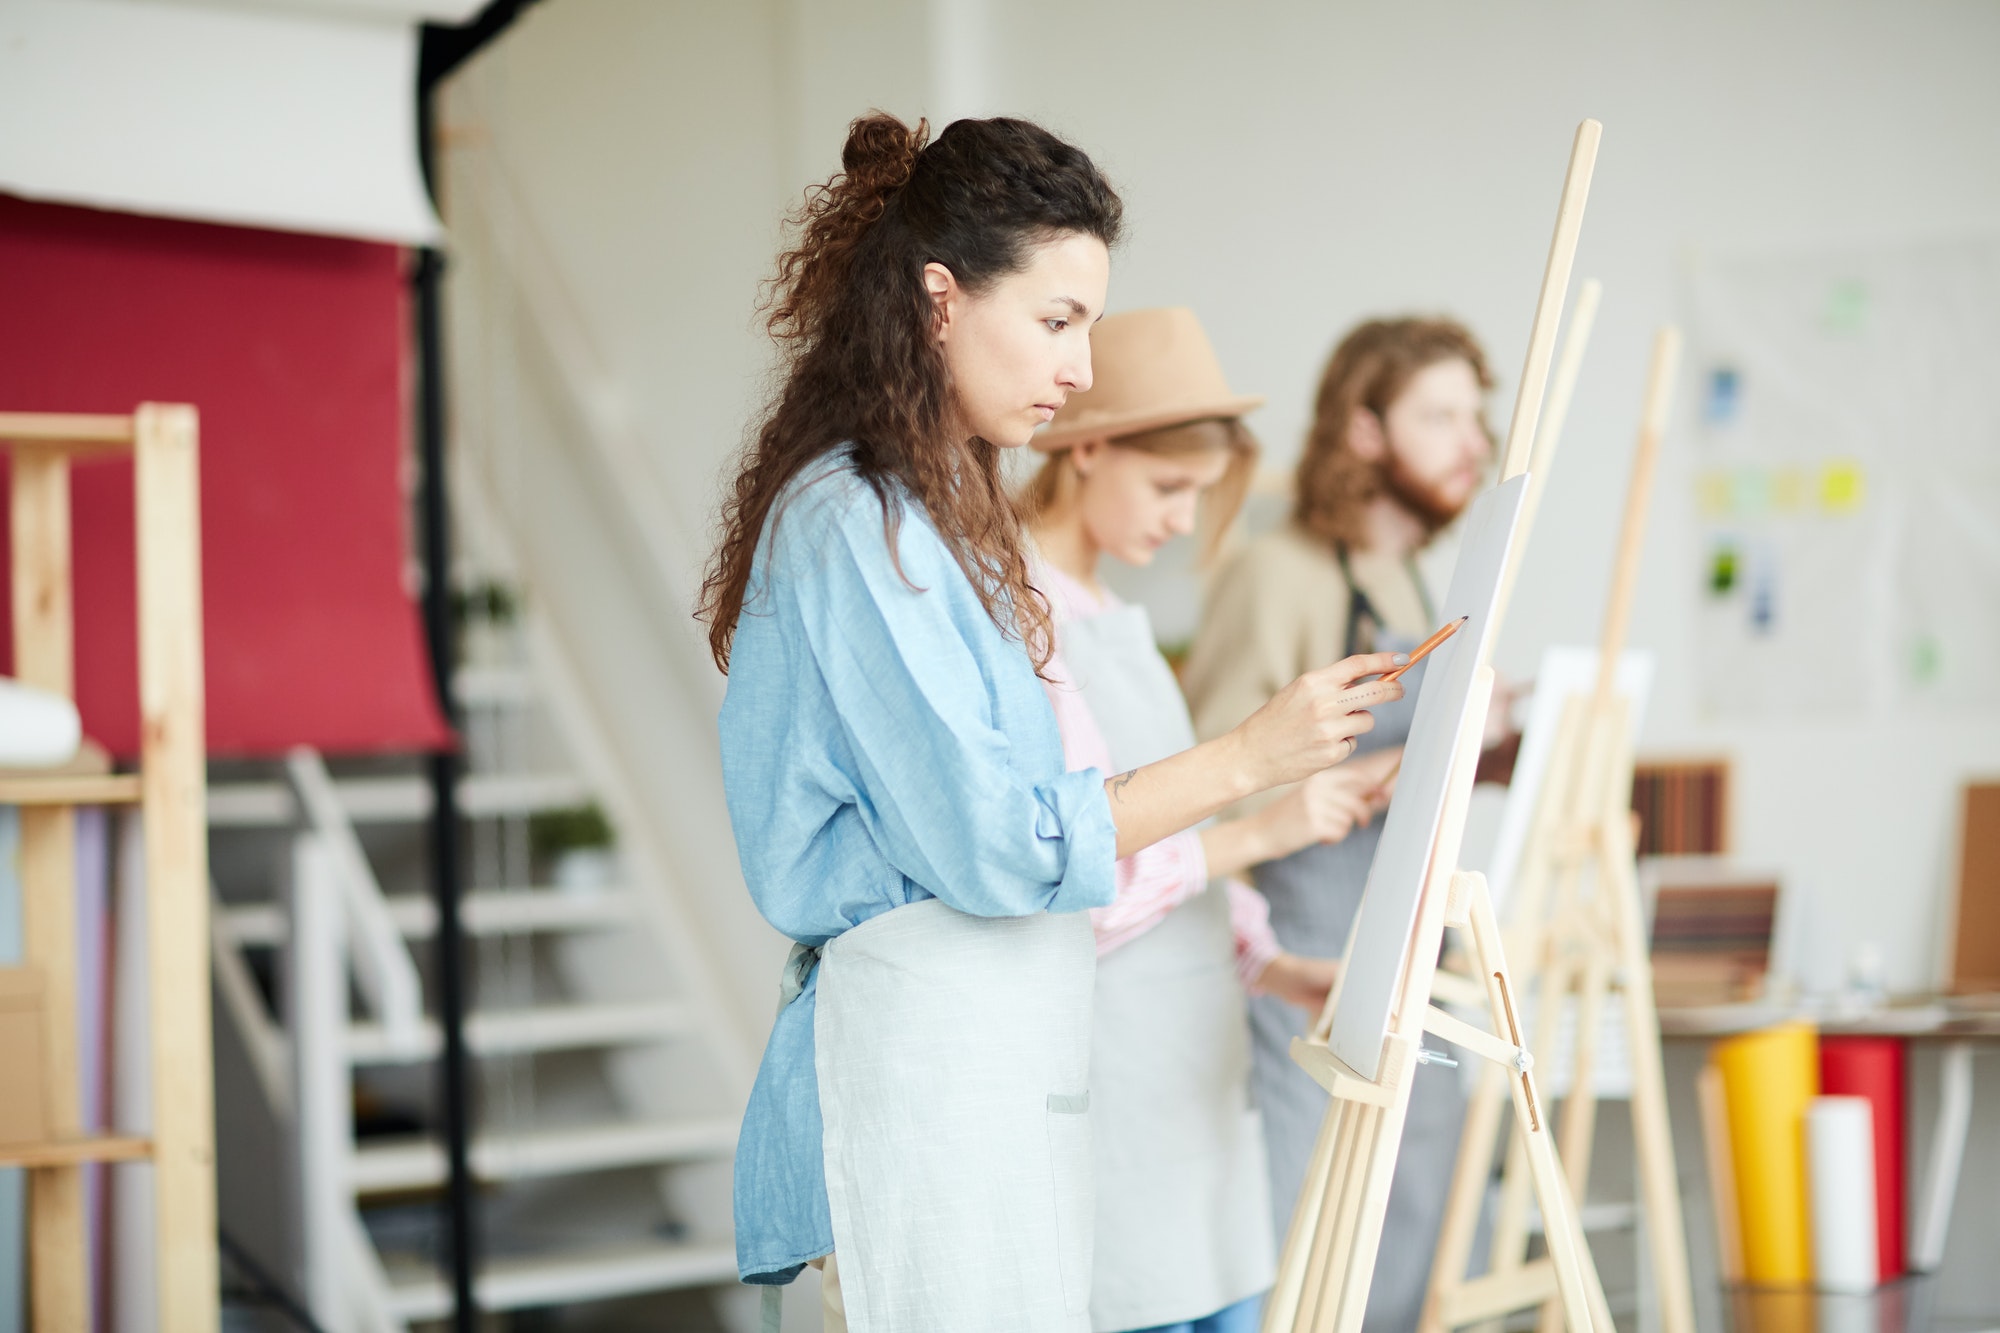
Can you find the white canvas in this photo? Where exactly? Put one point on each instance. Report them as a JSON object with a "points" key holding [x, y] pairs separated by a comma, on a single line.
{"points": [[1566, 671], [1375, 953]]}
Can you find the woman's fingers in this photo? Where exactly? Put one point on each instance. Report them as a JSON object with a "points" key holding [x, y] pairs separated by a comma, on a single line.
{"points": [[1350, 669]]}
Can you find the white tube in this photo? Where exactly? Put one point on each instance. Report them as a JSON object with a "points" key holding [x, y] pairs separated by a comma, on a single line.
{"points": [[1840, 1159], [38, 728]]}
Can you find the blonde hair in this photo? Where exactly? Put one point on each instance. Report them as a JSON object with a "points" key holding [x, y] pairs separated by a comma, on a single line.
{"points": [[1055, 485]]}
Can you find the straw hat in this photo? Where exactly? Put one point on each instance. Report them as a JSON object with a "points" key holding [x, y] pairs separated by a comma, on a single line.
{"points": [[1153, 368]]}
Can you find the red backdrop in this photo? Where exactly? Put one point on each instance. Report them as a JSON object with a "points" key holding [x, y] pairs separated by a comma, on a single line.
{"points": [[293, 349]]}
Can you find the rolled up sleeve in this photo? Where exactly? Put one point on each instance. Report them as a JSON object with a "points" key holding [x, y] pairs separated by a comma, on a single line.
{"points": [[934, 777]]}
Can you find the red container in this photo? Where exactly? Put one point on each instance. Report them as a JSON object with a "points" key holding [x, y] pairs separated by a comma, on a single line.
{"points": [[1872, 1067]]}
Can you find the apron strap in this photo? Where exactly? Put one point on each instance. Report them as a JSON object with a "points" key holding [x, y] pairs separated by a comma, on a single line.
{"points": [[1359, 608], [772, 1310]]}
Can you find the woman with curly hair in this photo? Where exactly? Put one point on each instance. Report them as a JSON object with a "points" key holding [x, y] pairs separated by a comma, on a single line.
{"points": [[894, 774]]}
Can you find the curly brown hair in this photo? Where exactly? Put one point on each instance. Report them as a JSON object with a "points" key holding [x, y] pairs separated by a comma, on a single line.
{"points": [[861, 366], [1370, 369]]}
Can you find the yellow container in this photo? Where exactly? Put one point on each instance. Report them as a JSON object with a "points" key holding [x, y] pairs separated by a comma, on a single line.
{"points": [[1769, 1078]]}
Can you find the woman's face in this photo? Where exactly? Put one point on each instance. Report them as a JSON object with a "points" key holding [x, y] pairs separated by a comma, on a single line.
{"points": [[1438, 449], [1131, 502], [1018, 349]]}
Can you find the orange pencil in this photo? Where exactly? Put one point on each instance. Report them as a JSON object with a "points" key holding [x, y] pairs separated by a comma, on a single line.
{"points": [[1425, 648]]}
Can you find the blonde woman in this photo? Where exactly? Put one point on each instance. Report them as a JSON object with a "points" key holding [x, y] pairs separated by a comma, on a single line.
{"points": [[1183, 1235]]}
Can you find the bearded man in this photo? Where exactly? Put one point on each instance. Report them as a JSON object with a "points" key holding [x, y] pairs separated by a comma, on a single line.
{"points": [[1399, 446]]}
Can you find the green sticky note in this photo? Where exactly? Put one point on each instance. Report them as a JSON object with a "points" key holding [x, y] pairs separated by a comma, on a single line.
{"points": [[1926, 659], [1847, 306]]}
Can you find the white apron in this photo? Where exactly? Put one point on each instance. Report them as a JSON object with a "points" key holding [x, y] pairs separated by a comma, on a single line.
{"points": [[1183, 1202], [953, 1056]]}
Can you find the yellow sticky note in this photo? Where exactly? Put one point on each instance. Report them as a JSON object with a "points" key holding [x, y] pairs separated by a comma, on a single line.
{"points": [[1712, 493], [1841, 486]]}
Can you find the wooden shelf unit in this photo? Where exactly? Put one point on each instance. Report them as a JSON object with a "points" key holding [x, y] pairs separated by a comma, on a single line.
{"points": [[71, 1152], [161, 439]]}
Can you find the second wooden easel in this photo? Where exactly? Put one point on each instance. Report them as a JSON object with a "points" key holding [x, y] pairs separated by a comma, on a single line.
{"points": [[1579, 947], [1328, 1264]]}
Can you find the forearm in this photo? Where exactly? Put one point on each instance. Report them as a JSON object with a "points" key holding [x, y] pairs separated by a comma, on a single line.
{"points": [[1235, 845], [1178, 792]]}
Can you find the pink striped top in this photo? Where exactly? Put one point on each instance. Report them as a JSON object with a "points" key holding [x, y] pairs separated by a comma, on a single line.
{"points": [[1156, 879]]}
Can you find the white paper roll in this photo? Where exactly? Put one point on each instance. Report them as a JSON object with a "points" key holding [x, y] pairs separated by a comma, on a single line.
{"points": [[1840, 1161], [37, 729]]}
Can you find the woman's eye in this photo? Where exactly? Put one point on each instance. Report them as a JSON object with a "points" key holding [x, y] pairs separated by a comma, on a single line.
{"points": [[1056, 325]]}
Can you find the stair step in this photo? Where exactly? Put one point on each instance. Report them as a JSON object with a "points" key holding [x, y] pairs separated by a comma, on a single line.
{"points": [[494, 687], [418, 1162], [521, 1283], [548, 1027], [489, 912], [397, 800]]}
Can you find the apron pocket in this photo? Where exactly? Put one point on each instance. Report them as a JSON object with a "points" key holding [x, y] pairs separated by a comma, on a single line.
{"points": [[1076, 1205]]}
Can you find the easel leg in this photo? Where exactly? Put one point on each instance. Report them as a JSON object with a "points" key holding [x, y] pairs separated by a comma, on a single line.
{"points": [[1559, 1221], [1579, 1104], [1343, 1202], [1652, 1134], [1509, 1248], [1281, 1308]]}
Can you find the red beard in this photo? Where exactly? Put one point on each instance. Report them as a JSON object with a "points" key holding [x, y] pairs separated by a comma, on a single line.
{"points": [[1418, 496]]}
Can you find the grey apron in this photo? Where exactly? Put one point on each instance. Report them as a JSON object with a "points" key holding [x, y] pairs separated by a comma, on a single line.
{"points": [[1314, 895], [1183, 1212], [953, 1054]]}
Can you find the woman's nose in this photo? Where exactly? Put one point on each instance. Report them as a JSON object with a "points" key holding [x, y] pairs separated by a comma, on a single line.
{"points": [[1076, 376]]}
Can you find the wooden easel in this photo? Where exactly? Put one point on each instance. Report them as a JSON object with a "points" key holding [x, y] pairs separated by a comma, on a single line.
{"points": [[1586, 947], [1328, 1263], [169, 791]]}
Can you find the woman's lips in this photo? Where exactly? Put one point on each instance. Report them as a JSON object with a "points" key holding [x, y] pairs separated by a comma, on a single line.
{"points": [[1048, 412]]}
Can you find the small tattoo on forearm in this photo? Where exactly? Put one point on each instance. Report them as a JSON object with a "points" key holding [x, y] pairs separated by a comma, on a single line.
{"points": [[1118, 783]]}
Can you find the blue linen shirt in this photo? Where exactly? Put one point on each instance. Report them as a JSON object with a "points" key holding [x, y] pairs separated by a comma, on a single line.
{"points": [[882, 743]]}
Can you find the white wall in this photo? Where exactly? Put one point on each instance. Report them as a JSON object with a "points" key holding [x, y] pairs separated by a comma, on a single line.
{"points": [[1289, 168]]}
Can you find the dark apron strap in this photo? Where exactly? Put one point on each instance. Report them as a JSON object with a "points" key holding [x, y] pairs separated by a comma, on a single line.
{"points": [[1360, 609]]}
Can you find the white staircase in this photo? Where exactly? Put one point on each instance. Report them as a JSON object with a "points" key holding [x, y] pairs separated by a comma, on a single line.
{"points": [[607, 1092]]}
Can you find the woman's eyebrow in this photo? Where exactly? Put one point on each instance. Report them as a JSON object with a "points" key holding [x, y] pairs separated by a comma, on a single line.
{"points": [[1076, 307]]}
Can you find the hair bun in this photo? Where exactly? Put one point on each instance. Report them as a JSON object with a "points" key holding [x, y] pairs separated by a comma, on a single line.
{"points": [[880, 154]]}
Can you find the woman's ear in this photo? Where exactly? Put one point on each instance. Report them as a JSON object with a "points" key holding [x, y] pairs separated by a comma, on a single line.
{"points": [[1366, 437], [1083, 457], [945, 291]]}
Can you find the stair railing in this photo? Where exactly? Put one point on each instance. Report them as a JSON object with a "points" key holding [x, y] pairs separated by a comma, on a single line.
{"points": [[384, 970]]}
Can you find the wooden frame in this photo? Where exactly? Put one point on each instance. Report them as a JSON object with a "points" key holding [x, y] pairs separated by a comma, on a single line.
{"points": [[1589, 947], [170, 791], [1329, 1257]]}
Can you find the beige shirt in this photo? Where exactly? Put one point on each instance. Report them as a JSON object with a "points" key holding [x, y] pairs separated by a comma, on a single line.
{"points": [[1278, 608]]}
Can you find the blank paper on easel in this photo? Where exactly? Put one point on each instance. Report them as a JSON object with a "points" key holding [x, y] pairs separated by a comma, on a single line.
{"points": [[1445, 708], [1566, 672]]}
